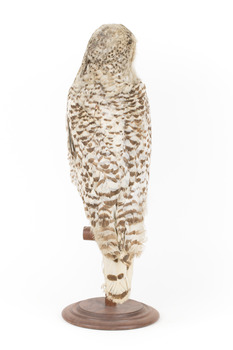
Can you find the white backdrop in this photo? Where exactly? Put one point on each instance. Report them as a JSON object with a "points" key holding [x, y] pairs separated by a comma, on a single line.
{"points": [[184, 56]]}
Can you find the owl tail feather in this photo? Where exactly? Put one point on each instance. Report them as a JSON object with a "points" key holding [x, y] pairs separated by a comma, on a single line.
{"points": [[118, 278]]}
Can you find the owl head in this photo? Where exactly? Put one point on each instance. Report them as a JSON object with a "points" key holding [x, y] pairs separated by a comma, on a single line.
{"points": [[110, 50]]}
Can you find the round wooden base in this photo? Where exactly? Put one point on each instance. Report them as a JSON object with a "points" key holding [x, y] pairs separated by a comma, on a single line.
{"points": [[94, 313]]}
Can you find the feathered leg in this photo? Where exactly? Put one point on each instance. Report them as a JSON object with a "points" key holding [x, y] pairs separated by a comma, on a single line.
{"points": [[118, 278]]}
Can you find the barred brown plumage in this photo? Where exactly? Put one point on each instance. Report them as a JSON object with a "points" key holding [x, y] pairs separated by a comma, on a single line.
{"points": [[109, 151]]}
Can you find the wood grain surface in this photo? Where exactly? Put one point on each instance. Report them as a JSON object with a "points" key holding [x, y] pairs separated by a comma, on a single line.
{"points": [[95, 314]]}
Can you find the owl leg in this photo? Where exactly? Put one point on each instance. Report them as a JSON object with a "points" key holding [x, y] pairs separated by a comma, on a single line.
{"points": [[118, 278]]}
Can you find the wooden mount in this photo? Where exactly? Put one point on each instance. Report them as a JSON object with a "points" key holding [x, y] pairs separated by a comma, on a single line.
{"points": [[102, 313], [95, 314]]}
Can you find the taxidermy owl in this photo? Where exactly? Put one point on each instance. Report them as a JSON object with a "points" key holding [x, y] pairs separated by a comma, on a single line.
{"points": [[109, 151]]}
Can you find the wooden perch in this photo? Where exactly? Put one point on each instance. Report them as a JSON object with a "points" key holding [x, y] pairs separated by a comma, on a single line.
{"points": [[87, 234]]}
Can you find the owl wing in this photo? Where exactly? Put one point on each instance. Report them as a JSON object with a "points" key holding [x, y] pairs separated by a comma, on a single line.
{"points": [[94, 170], [81, 145], [138, 152], [138, 140], [143, 153]]}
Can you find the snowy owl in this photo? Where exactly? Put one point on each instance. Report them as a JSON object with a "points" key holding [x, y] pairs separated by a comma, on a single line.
{"points": [[109, 151]]}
